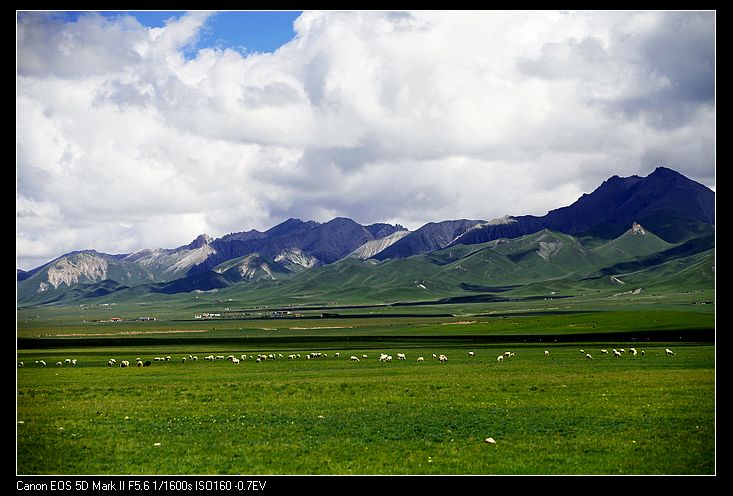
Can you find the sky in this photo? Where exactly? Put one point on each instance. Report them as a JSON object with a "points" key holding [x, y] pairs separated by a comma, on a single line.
{"points": [[143, 130]]}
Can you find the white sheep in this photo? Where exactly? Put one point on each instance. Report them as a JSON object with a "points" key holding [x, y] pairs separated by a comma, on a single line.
{"points": [[290, 357], [42, 362], [401, 356], [471, 354], [21, 365], [420, 359], [669, 352], [642, 352], [389, 358], [183, 359], [354, 358], [507, 353], [435, 356], [364, 356], [443, 358], [195, 358], [67, 361], [604, 352], [547, 353], [73, 362], [124, 363], [500, 358], [383, 357], [582, 351], [616, 353], [622, 350], [633, 351], [139, 363], [167, 359], [235, 361], [587, 355], [336, 355], [59, 364]]}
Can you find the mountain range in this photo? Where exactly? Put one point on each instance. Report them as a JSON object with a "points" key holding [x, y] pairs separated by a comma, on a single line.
{"points": [[632, 222]]}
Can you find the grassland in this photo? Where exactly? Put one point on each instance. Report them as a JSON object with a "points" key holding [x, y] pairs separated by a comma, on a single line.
{"points": [[556, 414]]}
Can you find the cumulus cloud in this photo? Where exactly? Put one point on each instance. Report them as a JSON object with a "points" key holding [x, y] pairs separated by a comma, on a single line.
{"points": [[128, 137]]}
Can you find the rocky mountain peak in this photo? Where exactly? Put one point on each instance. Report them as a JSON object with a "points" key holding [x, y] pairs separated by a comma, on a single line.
{"points": [[201, 240], [637, 229]]}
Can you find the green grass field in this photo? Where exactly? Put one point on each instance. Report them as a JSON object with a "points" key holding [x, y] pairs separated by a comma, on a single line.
{"points": [[556, 414]]}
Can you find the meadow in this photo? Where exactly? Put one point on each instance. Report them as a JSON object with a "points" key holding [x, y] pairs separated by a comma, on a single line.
{"points": [[556, 414]]}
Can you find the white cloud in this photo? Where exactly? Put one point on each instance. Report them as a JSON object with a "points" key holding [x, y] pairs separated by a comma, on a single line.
{"points": [[126, 139]]}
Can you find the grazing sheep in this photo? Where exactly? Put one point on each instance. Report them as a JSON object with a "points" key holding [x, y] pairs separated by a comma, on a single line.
{"points": [[124, 363], [279, 355], [167, 359], [110, 363], [354, 358], [604, 352], [633, 351], [183, 359], [507, 353], [616, 353], [21, 365], [59, 364], [336, 355], [291, 357], [139, 363], [443, 358], [157, 359], [42, 362], [582, 351], [435, 356], [364, 356], [235, 361], [642, 352], [230, 357], [383, 357], [587, 355], [669, 352], [67, 361], [401, 356], [73, 362], [547, 353], [471, 354], [147, 363], [500, 358], [420, 359], [195, 358], [622, 350]]}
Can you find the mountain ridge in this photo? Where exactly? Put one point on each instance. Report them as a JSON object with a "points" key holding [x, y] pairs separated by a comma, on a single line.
{"points": [[665, 201]]}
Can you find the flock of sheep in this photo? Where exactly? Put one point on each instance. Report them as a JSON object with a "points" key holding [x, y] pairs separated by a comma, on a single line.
{"points": [[261, 357]]}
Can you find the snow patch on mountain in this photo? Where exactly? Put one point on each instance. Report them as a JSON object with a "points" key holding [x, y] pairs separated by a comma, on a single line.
{"points": [[507, 219], [67, 271], [169, 263], [549, 249], [371, 248], [296, 256]]}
